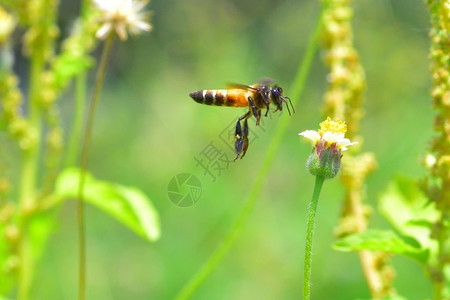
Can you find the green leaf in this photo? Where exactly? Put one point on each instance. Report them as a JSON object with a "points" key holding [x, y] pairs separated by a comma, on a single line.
{"points": [[127, 204], [405, 206], [381, 240], [67, 66]]}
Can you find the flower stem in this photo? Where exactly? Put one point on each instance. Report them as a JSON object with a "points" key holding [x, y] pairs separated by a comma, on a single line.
{"points": [[83, 167], [296, 92], [80, 104], [309, 238]]}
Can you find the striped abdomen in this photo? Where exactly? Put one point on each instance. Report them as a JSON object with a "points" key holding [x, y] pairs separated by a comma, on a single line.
{"points": [[233, 97]]}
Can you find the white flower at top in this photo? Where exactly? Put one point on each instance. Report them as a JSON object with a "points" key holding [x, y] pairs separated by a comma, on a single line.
{"points": [[122, 16], [328, 142], [331, 132]]}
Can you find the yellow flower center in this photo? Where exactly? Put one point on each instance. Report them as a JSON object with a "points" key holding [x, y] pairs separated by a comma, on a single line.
{"points": [[332, 126]]}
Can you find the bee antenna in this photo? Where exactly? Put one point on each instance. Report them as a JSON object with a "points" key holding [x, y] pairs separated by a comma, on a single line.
{"points": [[293, 110], [287, 106]]}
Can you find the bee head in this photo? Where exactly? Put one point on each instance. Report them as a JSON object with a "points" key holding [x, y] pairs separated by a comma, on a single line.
{"points": [[279, 99]]}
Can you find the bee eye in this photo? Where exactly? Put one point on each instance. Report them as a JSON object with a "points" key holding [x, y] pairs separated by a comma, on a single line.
{"points": [[275, 92], [278, 90]]}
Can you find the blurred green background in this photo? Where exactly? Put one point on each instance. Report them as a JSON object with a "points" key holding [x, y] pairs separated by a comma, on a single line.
{"points": [[148, 130]]}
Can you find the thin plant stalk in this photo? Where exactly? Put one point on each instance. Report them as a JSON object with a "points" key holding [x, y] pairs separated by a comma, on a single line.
{"points": [[28, 177], [77, 125], [309, 238], [296, 91], [83, 167], [80, 104]]}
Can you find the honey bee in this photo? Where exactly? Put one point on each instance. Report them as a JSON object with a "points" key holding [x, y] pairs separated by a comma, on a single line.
{"points": [[256, 97]]}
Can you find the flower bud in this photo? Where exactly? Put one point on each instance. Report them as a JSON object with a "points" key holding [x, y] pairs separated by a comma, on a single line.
{"points": [[324, 161]]}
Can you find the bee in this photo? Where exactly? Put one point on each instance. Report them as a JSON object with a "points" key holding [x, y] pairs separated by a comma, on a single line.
{"points": [[256, 97]]}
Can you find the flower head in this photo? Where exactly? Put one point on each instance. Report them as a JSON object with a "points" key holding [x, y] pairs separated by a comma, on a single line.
{"points": [[328, 142], [330, 132], [122, 16]]}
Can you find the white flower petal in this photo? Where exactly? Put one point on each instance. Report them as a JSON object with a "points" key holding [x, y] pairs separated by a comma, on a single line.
{"points": [[344, 143], [140, 5], [143, 26], [102, 4], [311, 134], [103, 31], [332, 137]]}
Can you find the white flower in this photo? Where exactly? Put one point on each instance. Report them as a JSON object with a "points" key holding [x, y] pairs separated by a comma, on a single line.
{"points": [[328, 142], [331, 132], [122, 16]]}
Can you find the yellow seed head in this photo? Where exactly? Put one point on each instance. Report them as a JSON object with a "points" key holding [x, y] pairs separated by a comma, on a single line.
{"points": [[7, 25], [332, 126]]}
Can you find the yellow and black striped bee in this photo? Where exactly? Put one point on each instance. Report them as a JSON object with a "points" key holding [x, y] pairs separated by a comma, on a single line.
{"points": [[256, 97]]}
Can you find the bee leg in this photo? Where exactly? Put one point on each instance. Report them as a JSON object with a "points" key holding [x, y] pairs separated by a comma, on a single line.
{"points": [[252, 104], [245, 138], [238, 145], [258, 118], [267, 111], [241, 136]]}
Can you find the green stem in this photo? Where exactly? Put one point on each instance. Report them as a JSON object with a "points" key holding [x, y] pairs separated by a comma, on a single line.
{"points": [[80, 104], [297, 89], [83, 167], [28, 177], [77, 126], [309, 238]]}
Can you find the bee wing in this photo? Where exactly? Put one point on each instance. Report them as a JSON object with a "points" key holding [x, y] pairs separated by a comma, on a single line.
{"points": [[267, 81], [240, 86]]}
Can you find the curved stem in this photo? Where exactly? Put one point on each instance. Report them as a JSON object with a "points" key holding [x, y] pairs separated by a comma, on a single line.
{"points": [[309, 238], [83, 167], [296, 91]]}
